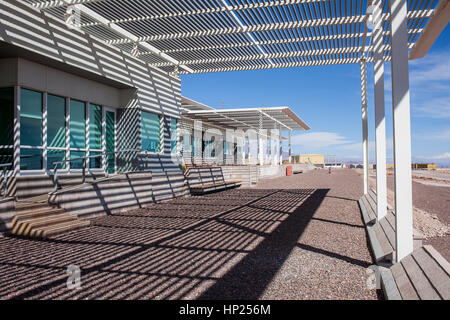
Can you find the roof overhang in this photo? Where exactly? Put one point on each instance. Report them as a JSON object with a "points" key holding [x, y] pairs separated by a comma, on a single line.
{"points": [[271, 118], [231, 35], [432, 30], [192, 105]]}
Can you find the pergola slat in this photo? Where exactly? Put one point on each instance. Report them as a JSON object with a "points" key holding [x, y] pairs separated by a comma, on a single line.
{"points": [[224, 35]]}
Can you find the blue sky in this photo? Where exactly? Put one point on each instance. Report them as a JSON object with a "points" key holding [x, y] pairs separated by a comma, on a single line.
{"points": [[328, 99]]}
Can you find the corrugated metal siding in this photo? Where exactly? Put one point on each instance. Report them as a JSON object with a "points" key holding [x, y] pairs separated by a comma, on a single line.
{"points": [[157, 92], [28, 28], [128, 137]]}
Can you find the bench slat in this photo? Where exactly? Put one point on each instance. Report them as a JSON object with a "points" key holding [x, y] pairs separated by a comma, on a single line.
{"points": [[436, 275], [388, 231], [420, 282], [369, 210], [388, 284], [373, 195], [373, 205], [390, 217], [377, 250], [445, 265], [405, 287], [365, 215], [383, 241]]}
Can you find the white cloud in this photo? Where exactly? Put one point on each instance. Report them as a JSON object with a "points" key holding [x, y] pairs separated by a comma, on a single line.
{"points": [[445, 155], [356, 147], [434, 108], [319, 139], [430, 68], [433, 136], [444, 135]]}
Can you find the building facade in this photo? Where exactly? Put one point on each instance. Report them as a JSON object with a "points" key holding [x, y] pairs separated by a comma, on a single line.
{"points": [[67, 97]]}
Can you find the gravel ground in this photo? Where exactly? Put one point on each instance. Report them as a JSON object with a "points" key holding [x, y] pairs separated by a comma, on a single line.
{"points": [[298, 237], [330, 258], [434, 200]]}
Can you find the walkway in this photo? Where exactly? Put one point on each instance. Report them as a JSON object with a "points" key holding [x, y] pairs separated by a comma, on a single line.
{"points": [[298, 237]]}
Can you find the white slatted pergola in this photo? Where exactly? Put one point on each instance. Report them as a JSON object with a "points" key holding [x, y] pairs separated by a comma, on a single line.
{"points": [[264, 121], [203, 36]]}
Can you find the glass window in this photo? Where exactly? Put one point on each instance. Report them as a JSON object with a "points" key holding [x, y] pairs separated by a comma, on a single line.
{"points": [[77, 164], [95, 126], [187, 142], [56, 121], [207, 148], [77, 124], [173, 135], [110, 138], [30, 159], [7, 116], [150, 135], [6, 156], [30, 118], [95, 163], [55, 156], [196, 147]]}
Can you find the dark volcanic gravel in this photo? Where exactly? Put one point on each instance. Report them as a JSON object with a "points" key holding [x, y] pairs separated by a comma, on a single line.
{"points": [[434, 200], [298, 237]]}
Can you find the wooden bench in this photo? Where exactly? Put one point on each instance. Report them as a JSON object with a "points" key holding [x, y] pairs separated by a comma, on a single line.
{"points": [[381, 233], [422, 275], [203, 180]]}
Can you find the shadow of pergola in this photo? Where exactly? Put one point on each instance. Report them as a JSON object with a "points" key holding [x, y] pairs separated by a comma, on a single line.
{"points": [[227, 245]]}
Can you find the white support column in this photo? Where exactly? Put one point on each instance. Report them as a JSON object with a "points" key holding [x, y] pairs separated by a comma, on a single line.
{"points": [[402, 129], [380, 121], [16, 151], [365, 142], [104, 158], [67, 166], [44, 131], [281, 146], [275, 146], [198, 138], [87, 137], [289, 146], [260, 142], [243, 147]]}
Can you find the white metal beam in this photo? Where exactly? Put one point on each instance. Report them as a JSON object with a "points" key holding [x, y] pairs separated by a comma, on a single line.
{"points": [[402, 129], [366, 20], [285, 65], [260, 142], [265, 27], [276, 41], [380, 121], [289, 146], [127, 35], [288, 54], [432, 30], [60, 3], [365, 142], [280, 141], [238, 21], [272, 118], [248, 6]]}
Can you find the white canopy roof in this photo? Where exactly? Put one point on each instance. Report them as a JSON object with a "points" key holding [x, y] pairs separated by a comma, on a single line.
{"points": [[271, 117], [202, 36]]}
